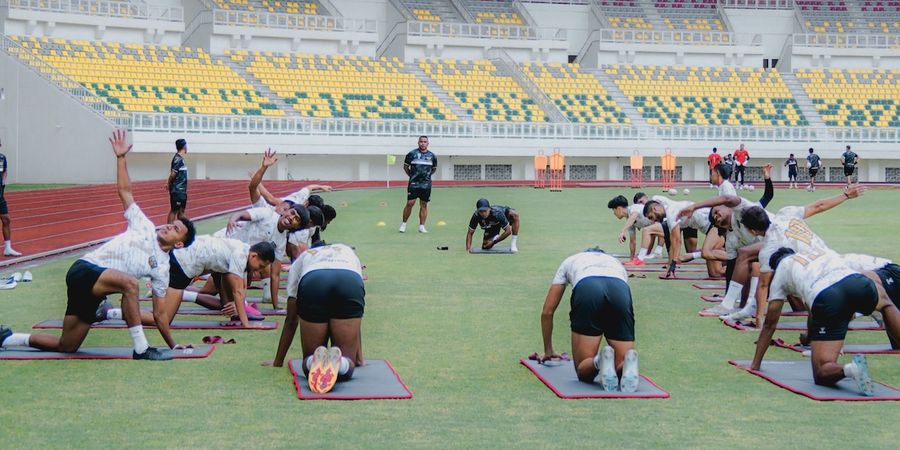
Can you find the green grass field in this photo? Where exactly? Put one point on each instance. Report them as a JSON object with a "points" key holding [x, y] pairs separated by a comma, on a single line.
{"points": [[454, 326], [34, 187]]}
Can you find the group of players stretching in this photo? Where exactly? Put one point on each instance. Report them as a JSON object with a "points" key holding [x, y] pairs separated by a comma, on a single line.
{"points": [[769, 259]]}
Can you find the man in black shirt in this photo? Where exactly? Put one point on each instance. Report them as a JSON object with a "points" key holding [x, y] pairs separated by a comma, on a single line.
{"points": [[419, 164], [493, 219], [4, 209], [177, 182], [849, 160], [791, 164], [814, 164]]}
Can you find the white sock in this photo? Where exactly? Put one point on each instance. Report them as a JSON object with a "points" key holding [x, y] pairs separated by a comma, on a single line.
{"points": [[345, 366], [733, 295], [17, 340], [697, 255], [266, 289], [848, 370], [8, 244], [114, 314], [402, 224], [642, 254], [140, 341], [514, 239], [754, 282], [308, 362], [189, 296]]}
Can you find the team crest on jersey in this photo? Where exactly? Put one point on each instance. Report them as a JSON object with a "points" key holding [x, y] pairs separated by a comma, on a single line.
{"points": [[152, 262], [798, 230]]}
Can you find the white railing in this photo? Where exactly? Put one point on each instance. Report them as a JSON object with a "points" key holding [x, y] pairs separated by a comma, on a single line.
{"points": [[678, 37], [559, 2], [63, 82], [485, 31], [103, 8], [846, 40], [757, 4], [302, 126], [262, 19]]}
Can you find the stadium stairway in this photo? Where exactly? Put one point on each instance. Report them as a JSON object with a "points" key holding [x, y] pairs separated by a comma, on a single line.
{"points": [[507, 66], [653, 16], [241, 69], [619, 97], [438, 91], [803, 101]]}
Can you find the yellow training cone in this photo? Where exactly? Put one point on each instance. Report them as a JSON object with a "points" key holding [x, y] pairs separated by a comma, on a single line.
{"points": [[441, 223], [380, 224]]}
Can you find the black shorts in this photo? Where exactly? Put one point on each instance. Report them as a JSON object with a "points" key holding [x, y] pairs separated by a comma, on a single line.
{"points": [[4, 209], [423, 194], [177, 278], [327, 294], [80, 281], [602, 306], [489, 233], [833, 308], [813, 172], [689, 233], [848, 171], [890, 281], [792, 172], [178, 201]]}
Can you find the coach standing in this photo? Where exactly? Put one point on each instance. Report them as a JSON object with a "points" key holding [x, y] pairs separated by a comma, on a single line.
{"points": [[177, 182], [741, 157], [849, 160], [4, 209], [419, 164]]}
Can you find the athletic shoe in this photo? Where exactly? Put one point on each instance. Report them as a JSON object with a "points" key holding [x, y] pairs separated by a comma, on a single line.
{"points": [[103, 310], [27, 277], [17, 276], [265, 285], [154, 354], [634, 262], [403, 228], [252, 312], [422, 229], [10, 252], [513, 248], [738, 315], [719, 310], [317, 368], [5, 332], [8, 283], [606, 364], [630, 377], [860, 373]]}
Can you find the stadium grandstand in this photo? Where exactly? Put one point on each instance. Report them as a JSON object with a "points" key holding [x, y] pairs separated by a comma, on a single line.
{"points": [[336, 85]]}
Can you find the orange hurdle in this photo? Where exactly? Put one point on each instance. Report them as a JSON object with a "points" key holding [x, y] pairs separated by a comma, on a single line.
{"points": [[668, 169], [540, 170], [557, 170], [637, 169]]}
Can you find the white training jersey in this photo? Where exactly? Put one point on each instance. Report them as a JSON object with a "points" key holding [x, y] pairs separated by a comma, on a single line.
{"points": [[262, 227], [135, 252], [589, 264], [739, 236], [699, 220], [334, 256], [213, 254], [672, 207], [805, 275], [864, 263], [262, 203], [300, 197], [788, 229], [726, 188], [641, 221], [302, 237]]}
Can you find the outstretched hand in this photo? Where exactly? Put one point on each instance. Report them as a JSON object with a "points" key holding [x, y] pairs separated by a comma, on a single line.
{"points": [[119, 145], [854, 191], [269, 158], [686, 212], [767, 171]]}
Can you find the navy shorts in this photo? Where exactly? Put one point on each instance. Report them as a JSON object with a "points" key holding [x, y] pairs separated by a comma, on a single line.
{"points": [[178, 201], [890, 281], [602, 306], [327, 294], [80, 281], [177, 278], [848, 171], [833, 308]]}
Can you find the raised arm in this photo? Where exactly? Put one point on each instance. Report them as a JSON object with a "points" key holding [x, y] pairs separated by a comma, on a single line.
{"points": [[241, 216], [825, 204], [123, 181], [269, 158], [319, 188], [730, 201]]}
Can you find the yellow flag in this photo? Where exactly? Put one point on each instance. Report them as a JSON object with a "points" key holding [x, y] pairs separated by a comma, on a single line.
{"points": [[391, 159]]}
